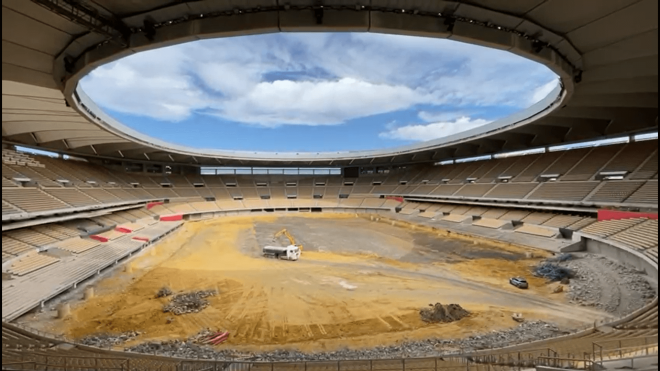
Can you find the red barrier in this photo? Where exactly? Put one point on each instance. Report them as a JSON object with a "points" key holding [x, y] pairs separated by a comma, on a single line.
{"points": [[617, 215], [153, 204], [123, 230], [138, 238], [400, 199], [171, 218], [98, 238]]}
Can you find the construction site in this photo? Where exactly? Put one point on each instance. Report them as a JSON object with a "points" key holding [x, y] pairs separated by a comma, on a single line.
{"points": [[358, 284]]}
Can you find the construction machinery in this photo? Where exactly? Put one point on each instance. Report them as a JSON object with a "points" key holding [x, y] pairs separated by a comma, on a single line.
{"points": [[292, 241], [291, 252]]}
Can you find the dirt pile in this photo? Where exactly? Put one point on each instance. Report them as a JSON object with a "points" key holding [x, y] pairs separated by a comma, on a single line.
{"points": [[191, 302], [108, 340], [443, 313]]}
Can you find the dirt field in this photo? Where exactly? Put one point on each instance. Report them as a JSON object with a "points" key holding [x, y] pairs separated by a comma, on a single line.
{"points": [[357, 284]]}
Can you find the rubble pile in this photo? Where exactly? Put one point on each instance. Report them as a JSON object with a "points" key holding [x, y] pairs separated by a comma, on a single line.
{"points": [[163, 292], [191, 302], [108, 340], [525, 332], [553, 272], [443, 313]]}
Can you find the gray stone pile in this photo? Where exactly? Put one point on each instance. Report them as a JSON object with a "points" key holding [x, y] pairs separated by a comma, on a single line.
{"points": [[108, 340], [553, 272], [525, 332], [163, 292], [608, 285], [190, 302]]}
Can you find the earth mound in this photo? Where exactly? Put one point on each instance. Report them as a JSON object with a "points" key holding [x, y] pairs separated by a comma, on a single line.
{"points": [[443, 313]]}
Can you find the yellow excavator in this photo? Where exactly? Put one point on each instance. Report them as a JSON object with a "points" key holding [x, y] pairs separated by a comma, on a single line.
{"points": [[288, 235]]}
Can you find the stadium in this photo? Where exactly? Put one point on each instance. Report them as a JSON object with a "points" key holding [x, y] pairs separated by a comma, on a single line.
{"points": [[528, 242]]}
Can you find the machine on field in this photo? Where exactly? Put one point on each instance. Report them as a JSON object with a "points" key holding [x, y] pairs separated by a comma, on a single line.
{"points": [[291, 252]]}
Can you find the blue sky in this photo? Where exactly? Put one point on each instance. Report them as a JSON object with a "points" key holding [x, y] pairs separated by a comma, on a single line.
{"points": [[315, 91]]}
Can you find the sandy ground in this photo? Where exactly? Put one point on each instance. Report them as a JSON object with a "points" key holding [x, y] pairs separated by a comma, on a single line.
{"points": [[358, 284]]}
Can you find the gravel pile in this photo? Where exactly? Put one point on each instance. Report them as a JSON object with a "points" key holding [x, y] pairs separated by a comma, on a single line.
{"points": [[191, 302], [608, 285], [553, 272], [163, 292], [108, 340], [443, 313], [525, 332]]}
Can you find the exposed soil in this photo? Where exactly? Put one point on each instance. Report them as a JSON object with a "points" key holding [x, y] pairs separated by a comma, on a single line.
{"points": [[358, 284]]}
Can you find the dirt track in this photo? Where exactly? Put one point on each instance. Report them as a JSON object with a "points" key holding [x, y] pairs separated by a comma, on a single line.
{"points": [[333, 297]]}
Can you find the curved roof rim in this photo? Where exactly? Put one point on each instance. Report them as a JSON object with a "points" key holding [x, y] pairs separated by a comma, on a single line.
{"points": [[477, 30]]}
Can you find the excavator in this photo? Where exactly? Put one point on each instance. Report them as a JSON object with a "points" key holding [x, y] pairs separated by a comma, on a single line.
{"points": [[291, 252], [292, 241]]}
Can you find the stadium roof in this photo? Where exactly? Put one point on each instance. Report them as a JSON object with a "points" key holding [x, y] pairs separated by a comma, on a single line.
{"points": [[605, 52]]}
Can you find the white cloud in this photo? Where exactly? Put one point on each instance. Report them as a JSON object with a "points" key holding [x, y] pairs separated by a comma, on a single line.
{"points": [[339, 77], [543, 91], [440, 116], [318, 103], [434, 130]]}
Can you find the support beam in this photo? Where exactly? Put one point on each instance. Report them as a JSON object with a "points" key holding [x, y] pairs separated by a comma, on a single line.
{"points": [[83, 14]]}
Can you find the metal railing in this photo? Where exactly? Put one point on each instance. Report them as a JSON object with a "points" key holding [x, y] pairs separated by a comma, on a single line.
{"points": [[566, 363]]}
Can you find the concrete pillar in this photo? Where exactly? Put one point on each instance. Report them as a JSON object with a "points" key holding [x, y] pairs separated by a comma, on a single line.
{"points": [[128, 268], [89, 293], [63, 311]]}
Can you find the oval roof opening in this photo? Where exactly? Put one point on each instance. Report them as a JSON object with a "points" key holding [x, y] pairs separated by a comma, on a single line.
{"points": [[316, 92]]}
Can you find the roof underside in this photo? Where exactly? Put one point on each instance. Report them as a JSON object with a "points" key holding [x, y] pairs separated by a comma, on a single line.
{"points": [[614, 43]]}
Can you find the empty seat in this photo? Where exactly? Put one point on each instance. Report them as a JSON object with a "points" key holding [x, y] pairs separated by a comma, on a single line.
{"points": [[31, 237], [536, 168], [31, 263], [591, 164], [9, 209], [515, 191], [581, 224], [71, 196], [562, 221], [642, 236], [14, 247], [649, 169], [563, 191], [615, 191], [32, 200], [474, 190], [632, 156], [515, 215], [646, 194], [537, 218], [101, 195], [77, 245], [609, 227], [446, 190]]}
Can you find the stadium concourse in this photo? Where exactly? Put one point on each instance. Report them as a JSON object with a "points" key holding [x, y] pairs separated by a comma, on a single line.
{"points": [[66, 221]]}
